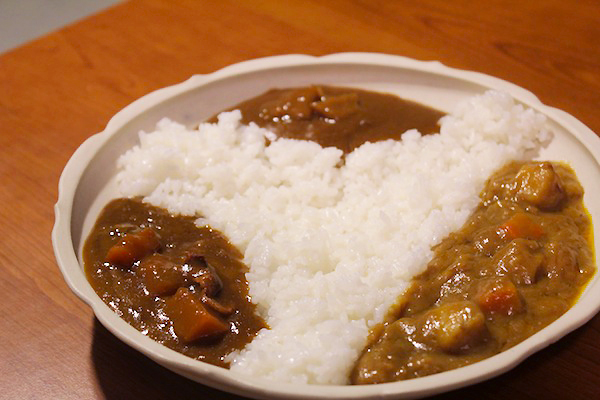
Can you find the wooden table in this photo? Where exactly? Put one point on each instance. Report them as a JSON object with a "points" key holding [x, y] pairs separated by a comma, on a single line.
{"points": [[57, 91]]}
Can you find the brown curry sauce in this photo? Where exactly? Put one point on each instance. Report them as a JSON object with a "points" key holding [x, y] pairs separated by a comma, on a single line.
{"points": [[144, 303], [337, 117], [517, 264]]}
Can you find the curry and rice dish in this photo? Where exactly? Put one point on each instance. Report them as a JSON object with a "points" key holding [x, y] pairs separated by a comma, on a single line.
{"points": [[363, 242]]}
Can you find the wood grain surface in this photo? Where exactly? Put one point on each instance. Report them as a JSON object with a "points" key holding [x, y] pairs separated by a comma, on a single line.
{"points": [[57, 91]]}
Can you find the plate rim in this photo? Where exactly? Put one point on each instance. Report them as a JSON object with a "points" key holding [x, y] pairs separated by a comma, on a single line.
{"points": [[249, 386]]}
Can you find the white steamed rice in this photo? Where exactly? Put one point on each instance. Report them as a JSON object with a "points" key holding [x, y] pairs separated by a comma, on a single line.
{"points": [[329, 248]]}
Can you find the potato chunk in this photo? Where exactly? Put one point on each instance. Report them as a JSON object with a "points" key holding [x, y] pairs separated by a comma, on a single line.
{"points": [[454, 327], [539, 184]]}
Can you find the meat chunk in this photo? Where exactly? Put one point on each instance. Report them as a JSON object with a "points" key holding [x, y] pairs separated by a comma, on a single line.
{"points": [[561, 261], [133, 247], [539, 184], [454, 327], [209, 284], [295, 105], [205, 276], [191, 319], [488, 240], [521, 259], [337, 107], [379, 363]]}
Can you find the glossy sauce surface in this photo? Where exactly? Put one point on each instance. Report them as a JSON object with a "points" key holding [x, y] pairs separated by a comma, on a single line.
{"points": [[340, 117]]}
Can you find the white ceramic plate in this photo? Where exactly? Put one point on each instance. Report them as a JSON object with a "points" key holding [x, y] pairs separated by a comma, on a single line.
{"points": [[87, 184]]}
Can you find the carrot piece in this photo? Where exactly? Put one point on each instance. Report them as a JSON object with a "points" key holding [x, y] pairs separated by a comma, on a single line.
{"points": [[191, 320], [520, 225], [133, 247], [499, 297]]}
